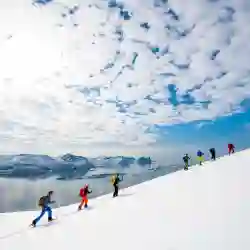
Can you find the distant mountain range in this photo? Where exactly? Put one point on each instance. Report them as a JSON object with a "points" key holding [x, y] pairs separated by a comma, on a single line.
{"points": [[68, 166]]}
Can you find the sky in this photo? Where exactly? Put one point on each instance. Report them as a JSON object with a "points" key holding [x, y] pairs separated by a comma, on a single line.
{"points": [[115, 77]]}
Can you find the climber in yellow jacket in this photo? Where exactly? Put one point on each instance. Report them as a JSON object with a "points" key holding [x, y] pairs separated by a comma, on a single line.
{"points": [[115, 180]]}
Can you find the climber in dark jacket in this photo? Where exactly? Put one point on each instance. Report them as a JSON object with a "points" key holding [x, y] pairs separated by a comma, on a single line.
{"points": [[44, 203], [115, 181], [186, 159], [213, 153]]}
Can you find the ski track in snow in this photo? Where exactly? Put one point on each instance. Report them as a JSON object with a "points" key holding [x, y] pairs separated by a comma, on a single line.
{"points": [[204, 208]]}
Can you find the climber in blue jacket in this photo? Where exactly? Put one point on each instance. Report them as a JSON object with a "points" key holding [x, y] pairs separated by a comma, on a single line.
{"points": [[200, 157]]}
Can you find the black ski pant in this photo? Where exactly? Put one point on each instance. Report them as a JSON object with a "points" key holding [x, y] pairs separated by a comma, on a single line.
{"points": [[186, 164], [213, 156], [116, 189]]}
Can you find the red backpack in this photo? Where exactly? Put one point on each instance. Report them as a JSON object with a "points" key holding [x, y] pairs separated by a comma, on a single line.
{"points": [[83, 191]]}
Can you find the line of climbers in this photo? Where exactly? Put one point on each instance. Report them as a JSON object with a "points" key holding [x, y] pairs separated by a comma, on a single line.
{"points": [[45, 201], [200, 155]]}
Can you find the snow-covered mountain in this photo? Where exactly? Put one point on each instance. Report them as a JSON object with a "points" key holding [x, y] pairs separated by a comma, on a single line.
{"points": [[201, 209], [67, 166]]}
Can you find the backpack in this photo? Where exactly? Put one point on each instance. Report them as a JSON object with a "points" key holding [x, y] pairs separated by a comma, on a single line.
{"points": [[112, 179], [41, 201], [81, 192]]}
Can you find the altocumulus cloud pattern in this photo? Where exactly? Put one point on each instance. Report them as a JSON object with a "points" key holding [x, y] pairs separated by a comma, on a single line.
{"points": [[106, 71]]}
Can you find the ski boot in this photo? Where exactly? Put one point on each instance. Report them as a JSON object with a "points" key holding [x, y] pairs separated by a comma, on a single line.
{"points": [[50, 219], [33, 224]]}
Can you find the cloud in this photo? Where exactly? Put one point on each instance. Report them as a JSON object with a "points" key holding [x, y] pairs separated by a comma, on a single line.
{"points": [[79, 72]]}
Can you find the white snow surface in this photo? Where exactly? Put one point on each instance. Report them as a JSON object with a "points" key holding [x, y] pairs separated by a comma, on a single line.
{"points": [[204, 208]]}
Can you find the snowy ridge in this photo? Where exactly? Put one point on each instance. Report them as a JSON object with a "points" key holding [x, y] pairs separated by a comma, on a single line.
{"points": [[201, 209], [69, 166]]}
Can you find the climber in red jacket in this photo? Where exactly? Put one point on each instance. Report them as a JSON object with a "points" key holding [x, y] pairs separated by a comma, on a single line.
{"points": [[84, 195], [231, 148]]}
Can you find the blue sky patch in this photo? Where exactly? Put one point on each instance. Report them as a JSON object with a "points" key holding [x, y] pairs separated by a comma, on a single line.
{"points": [[43, 2]]}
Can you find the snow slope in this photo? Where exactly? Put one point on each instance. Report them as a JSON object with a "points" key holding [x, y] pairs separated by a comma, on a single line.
{"points": [[201, 209]]}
